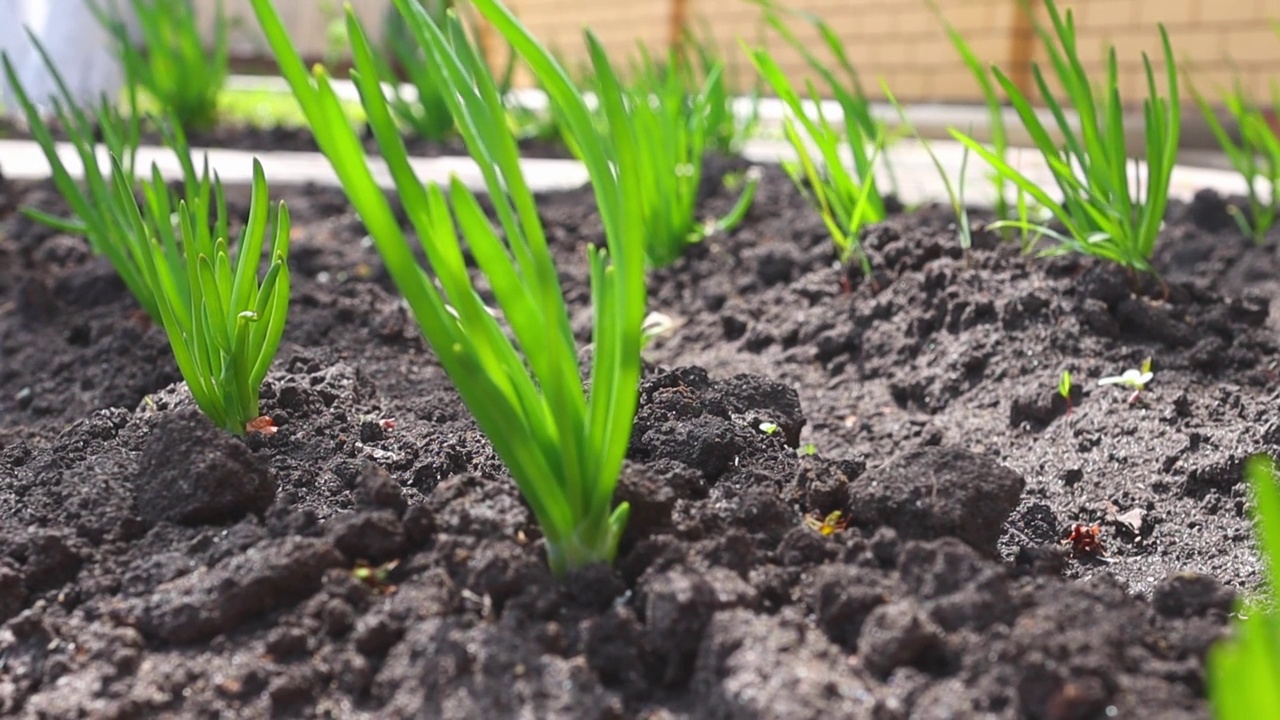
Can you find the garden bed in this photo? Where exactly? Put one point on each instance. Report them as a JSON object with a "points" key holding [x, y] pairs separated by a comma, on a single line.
{"points": [[150, 564]]}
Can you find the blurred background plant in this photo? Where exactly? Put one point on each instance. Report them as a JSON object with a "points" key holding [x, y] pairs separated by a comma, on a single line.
{"points": [[168, 59]]}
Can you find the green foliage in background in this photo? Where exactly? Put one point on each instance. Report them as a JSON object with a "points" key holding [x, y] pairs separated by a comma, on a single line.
{"points": [[1102, 211], [171, 64]]}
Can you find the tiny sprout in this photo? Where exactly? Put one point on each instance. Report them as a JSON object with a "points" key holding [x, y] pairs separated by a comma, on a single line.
{"points": [[1133, 378], [768, 428], [828, 526], [1064, 388], [807, 449], [375, 576]]}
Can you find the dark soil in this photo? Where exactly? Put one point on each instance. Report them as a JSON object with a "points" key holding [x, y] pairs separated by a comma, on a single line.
{"points": [[152, 566]]}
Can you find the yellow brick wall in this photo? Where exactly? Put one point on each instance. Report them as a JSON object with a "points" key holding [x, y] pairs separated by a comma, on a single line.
{"points": [[306, 20], [1214, 40], [897, 40], [903, 43]]}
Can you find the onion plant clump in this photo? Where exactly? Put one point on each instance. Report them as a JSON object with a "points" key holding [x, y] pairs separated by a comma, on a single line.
{"points": [[421, 106], [955, 190], [673, 124], [223, 325], [1101, 211], [1242, 669], [172, 65], [847, 198], [999, 134], [1255, 155], [563, 443], [95, 215], [700, 57]]}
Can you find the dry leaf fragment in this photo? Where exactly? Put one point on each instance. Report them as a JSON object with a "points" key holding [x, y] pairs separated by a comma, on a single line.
{"points": [[261, 424]]}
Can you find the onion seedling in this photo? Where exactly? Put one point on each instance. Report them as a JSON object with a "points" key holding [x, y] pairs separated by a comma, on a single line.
{"points": [[846, 200], [173, 65], [563, 443], [224, 327], [673, 125], [1064, 388], [421, 106], [1256, 156], [1103, 213], [95, 214], [1242, 669], [998, 132]]}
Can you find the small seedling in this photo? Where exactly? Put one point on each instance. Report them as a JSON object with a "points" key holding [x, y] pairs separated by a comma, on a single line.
{"points": [[768, 428], [375, 577], [828, 526], [1064, 388], [1133, 378], [807, 449]]}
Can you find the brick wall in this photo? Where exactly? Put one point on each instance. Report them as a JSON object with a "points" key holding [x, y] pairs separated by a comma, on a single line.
{"points": [[1215, 40], [901, 42], [307, 22], [897, 40]]}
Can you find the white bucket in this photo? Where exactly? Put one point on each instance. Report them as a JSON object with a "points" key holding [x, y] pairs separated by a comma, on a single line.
{"points": [[76, 43]]}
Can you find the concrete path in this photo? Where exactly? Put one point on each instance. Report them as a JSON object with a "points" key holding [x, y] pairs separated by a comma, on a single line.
{"points": [[930, 120], [917, 178], [24, 160]]}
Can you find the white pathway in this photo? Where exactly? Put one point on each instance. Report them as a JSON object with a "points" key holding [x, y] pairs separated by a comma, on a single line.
{"points": [[918, 179], [23, 159]]}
